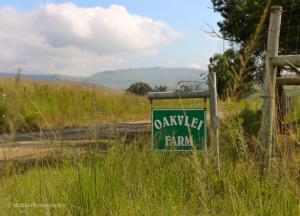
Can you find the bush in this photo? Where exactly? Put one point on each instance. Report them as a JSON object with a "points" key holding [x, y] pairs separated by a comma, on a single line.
{"points": [[139, 88]]}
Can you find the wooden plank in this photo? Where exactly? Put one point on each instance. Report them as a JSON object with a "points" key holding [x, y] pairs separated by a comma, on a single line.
{"points": [[292, 91], [286, 60], [288, 80]]}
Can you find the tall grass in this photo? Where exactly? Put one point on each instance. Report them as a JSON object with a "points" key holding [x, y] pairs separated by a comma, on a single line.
{"points": [[47, 105], [131, 179], [54, 104]]}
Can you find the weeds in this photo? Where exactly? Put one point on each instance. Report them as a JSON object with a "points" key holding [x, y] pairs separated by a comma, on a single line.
{"points": [[133, 180]]}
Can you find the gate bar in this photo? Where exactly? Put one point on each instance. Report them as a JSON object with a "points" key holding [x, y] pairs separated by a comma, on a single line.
{"points": [[286, 60], [178, 95], [288, 80]]}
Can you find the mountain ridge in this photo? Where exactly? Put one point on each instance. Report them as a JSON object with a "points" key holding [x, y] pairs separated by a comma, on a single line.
{"points": [[121, 79]]}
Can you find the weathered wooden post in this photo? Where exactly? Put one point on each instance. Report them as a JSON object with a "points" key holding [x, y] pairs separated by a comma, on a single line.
{"points": [[268, 127], [214, 132]]}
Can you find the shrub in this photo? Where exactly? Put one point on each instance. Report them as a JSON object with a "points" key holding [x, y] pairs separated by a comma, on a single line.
{"points": [[139, 88]]}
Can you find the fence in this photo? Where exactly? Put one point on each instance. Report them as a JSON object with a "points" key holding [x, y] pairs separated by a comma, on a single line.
{"points": [[273, 60]]}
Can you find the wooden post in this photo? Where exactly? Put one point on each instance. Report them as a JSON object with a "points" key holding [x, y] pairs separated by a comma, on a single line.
{"points": [[268, 127], [214, 132], [213, 100]]}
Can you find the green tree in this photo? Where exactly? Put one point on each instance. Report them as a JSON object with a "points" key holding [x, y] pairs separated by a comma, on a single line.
{"points": [[139, 88], [246, 23], [241, 18], [230, 81]]}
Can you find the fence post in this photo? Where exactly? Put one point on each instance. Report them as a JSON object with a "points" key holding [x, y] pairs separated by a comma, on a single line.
{"points": [[268, 126], [214, 132]]}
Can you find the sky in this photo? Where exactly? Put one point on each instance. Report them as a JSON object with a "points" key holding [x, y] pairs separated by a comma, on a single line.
{"points": [[83, 37]]}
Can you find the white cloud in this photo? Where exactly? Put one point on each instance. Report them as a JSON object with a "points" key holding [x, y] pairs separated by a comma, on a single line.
{"points": [[67, 39]]}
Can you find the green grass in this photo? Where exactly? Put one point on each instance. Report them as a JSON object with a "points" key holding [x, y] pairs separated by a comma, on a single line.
{"points": [[131, 179], [35, 104], [31, 105], [134, 180]]}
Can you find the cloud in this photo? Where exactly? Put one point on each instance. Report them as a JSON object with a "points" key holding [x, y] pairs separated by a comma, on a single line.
{"points": [[67, 39]]}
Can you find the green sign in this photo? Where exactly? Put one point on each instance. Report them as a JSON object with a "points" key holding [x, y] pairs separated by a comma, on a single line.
{"points": [[178, 129]]}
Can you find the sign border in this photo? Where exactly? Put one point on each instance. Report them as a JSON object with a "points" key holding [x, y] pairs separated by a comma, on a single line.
{"points": [[193, 150]]}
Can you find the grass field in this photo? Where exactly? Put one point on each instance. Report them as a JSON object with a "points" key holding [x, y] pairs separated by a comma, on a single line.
{"points": [[30, 105], [33, 105], [131, 179]]}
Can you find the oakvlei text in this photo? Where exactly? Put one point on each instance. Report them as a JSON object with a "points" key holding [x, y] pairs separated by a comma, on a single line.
{"points": [[180, 120]]}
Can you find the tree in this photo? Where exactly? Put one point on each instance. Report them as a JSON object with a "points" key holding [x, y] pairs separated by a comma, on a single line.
{"points": [[139, 88], [246, 22], [241, 18], [231, 82]]}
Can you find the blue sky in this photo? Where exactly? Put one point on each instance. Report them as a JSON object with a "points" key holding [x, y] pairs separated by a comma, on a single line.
{"points": [[180, 41]]}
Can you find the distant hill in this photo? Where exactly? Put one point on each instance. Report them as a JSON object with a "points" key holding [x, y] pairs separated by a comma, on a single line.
{"points": [[122, 79], [45, 77], [31, 76]]}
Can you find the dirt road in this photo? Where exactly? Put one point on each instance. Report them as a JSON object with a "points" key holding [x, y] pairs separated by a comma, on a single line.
{"points": [[37, 144]]}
